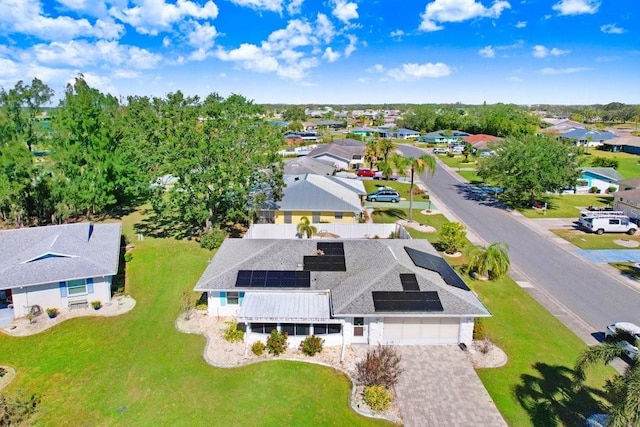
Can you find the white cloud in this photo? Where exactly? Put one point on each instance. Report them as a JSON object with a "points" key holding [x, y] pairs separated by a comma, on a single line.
{"points": [[202, 36], [557, 71], [324, 28], [540, 51], [521, 24], [487, 52], [81, 53], [126, 74], [608, 58], [441, 11], [251, 57], [102, 83], [153, 16], [351, 47], [364, 80], [297, 33], [611, 29], [514, 79], [330, 55], [396, 34], [345, 11], [377, 68], [576, 7], [166, 42], [413, 71], [270, 5], [294, 7]]}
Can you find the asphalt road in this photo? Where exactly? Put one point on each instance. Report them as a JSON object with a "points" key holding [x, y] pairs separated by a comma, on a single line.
{"points": [[588, 292]]}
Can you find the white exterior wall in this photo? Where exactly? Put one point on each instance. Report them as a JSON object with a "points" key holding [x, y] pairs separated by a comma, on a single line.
{"points": [[293, 341], [48, 296], [215, 307], [466, 330], [376, 330], [345, 231]]}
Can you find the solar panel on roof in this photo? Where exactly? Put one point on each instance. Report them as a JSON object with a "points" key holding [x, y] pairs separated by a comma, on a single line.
{"points": [[273, 279], [331, 248], [437, 264], [406, 301], [409, 282], [324, 263]]}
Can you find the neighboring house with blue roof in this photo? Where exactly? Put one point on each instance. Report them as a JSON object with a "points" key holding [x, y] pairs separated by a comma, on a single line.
{"points": [[443, 136], [58, 266], [354, 291], [318, 197], [601, 178], [403, 133], [587, 138]]}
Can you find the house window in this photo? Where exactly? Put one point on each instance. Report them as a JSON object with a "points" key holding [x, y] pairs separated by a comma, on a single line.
{"points": [[324, 329], [76, 287], [263, 328], [300, 329], [337, 215], [287, 217], [316, 217], [232, 298], [358, 326]]}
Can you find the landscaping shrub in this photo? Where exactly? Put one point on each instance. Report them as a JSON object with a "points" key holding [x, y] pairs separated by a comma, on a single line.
{"points": [[201, 306], [485, 346], [453, 237], [52, 312], [311, 345], [381, 367], [277, 342], [232, 333], [479, 330], [258, 348], [128, 256], [3, 372], [593, 190], [17, 411], [612, 189], [187, 304], [378, 398], [417, 191], [213, 238]]}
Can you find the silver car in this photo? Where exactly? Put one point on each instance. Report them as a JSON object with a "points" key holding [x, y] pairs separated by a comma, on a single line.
{"points": [[629, 348]]}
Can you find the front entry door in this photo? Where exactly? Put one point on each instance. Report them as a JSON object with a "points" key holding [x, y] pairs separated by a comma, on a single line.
{"points": [[360, 331]]}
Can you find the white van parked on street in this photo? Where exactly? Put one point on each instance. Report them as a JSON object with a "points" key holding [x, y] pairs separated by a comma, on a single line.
{"points": [[608, 224]]}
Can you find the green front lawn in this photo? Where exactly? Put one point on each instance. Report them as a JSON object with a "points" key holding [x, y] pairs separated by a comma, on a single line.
{"points": [[627, 163], [402, 188], [533, 388], [584, 240], [138, 370], [567, 205]]}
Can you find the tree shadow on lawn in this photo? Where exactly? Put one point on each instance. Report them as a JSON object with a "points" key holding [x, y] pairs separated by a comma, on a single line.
{"points": [[390, 212], [551, 400], [161, 226]]}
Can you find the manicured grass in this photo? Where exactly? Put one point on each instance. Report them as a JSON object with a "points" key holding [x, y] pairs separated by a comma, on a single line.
{"points": [[137, 369], [471, 176], [534, 387], [391, 215], [457, 161], [627, 269], [567, 205], [585, 240], [402, 188], [627, 163]]}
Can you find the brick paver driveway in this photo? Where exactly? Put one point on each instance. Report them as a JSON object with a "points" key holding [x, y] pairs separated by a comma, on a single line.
{"points": [[439, 387]]}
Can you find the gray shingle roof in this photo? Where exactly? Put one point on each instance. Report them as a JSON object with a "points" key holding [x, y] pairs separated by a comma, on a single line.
{"points": [[372, 265], [307, 164], [31, 256]]}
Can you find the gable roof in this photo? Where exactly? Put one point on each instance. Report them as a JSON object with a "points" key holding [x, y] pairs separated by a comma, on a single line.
{"points": [[319, 193], [306, 164], [609, 173], [481, 137], [343, 150], [37, 255], [371, 265], [582, 133]]}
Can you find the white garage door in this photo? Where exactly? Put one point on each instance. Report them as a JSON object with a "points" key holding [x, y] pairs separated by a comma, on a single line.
{"points": [[409, 330]]}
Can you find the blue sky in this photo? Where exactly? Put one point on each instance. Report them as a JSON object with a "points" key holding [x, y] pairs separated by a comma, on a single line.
{"points": [[331, 51]]}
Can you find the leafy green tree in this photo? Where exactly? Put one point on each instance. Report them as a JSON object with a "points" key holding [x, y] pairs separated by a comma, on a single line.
{"points": [[295, 126], [492, 262], [305, 228], [452, 237], [294, 113], [225, 158], [420, 118], [530, 166], [505, 120], [623, 390], [17, 173], [604, 162]]}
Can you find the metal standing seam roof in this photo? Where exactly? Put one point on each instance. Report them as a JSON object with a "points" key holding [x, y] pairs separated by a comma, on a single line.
{"points": [[372, 265], [37, 255], [285, 306]]}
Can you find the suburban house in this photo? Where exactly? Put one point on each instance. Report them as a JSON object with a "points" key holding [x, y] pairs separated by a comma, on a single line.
{"points": [[331, 124], [601, 178], [62, 266], [443, 136], [404, 133], [557, 126], [343, 154], [628, 201], [360, 291], [318, 197], [582, 137], [367, 131], [480, 141], [625, 143], [298, 138], [306, 164]]}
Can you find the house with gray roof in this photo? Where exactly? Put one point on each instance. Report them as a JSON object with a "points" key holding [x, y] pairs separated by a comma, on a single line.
{"points": [[360, 291], [601, 178], [62, 266], [343, 154], [320, 198], [306, 164], [587, 137], [404, 133]]}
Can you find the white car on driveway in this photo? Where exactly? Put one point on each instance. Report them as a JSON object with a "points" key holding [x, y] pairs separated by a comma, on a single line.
{"points": [[630, 348]]}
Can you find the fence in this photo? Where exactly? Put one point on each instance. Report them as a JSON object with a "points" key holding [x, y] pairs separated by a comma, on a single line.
{"points": [[331, 231]]}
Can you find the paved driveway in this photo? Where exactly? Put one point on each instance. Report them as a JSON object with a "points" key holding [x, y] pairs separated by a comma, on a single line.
{"points": [[439, 387]]}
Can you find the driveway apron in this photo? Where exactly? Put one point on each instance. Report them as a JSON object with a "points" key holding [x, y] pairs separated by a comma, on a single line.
{"points": [[439, 387]]}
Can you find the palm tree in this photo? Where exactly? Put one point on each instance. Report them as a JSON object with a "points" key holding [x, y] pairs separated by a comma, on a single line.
{"points": [[624, 390], [371, 152], [305, 228], [420, 164], [492, 262], [385, 145]]}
